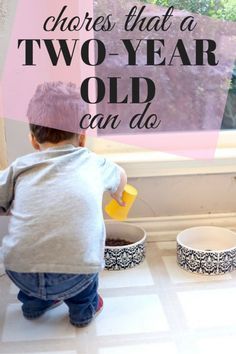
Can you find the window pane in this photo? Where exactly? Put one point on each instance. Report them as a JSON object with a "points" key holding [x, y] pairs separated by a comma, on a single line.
{"points": [[229, 119]]}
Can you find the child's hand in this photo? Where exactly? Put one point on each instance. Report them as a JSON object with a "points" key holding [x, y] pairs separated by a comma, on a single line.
{"points": [[118, 198], [118, 194]]}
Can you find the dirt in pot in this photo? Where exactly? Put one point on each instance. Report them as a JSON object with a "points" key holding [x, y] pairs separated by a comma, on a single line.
{"points": [[111, 242]]}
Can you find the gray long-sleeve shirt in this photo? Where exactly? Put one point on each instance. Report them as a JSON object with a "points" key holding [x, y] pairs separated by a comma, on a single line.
{"points": [[56, 222]]}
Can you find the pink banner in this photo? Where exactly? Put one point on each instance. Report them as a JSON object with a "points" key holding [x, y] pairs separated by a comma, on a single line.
{"points": [[152, 77]]}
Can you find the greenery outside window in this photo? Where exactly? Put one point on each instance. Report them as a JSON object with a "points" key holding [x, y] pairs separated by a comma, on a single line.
{"points": [[219, 9]]}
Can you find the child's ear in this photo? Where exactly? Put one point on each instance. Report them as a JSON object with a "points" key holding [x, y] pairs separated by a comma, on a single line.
{"points": [[34, 142]]}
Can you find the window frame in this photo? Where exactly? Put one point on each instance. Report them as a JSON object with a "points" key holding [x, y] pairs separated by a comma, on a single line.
{"points": [[3, 146]]}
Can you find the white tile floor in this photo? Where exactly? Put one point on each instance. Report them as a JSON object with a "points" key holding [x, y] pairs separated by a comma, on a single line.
{"points": [[131, 278], [178, 276], [154, 308], [132, 315], [51, 326], [209, 308], [150, 348], [217, 345]]}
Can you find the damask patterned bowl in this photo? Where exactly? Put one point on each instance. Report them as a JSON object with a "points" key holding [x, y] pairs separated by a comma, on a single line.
{"points": [[129, 256], [207, 250]]}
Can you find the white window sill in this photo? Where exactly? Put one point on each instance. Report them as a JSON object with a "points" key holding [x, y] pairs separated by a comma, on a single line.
{"points": [[154, 164], [140, 163]]}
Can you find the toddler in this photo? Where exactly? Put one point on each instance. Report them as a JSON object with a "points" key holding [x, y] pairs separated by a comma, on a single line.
{"points": [[54, 248]]}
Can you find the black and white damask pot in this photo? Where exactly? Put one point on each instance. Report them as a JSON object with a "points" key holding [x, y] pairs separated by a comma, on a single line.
{"points": [[128, 256], [207, 250]]}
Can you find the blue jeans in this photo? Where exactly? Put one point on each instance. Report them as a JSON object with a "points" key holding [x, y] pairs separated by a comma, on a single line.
{"points": [[38, 292]]}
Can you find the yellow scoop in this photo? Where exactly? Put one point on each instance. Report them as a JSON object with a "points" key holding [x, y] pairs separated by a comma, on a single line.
{"points": [[118, 212]]}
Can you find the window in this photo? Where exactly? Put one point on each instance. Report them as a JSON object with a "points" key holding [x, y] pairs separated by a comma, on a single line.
{"points": [[224, 10]]}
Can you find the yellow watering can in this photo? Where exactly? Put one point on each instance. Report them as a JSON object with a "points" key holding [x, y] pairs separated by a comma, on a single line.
{"points": [[118, 212]]}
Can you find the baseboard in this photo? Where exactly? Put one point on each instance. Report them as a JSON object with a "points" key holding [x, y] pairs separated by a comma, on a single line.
{"points": [[167, 228]]}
